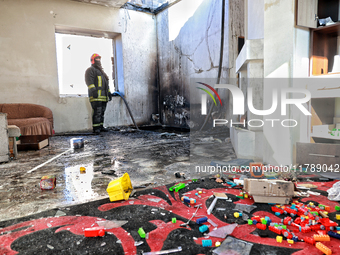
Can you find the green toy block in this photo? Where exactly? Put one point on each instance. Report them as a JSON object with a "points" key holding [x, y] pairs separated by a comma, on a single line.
{"points": [[177, 187], [264, 222], [141, 232], [337, 208], [173, 220], [284, 227], [250, 222]]}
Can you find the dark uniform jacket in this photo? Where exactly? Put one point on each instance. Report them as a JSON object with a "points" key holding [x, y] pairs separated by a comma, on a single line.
{"points": [[96, 81]]}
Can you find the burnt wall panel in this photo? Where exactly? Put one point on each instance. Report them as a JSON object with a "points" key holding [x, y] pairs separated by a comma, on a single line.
{"points": [[194, 52]]}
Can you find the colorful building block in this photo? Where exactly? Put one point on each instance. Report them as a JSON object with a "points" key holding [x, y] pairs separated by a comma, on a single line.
{"points": [[203, 228], [261, 226], [290, 241], [141, 232], [333, 234], [188, 200], [202, 220], [287, 234], [279, 239], [323, 248], [322, 238], [309, 240], [275, 230], [173, 220], [93, 232], [206, 243]]}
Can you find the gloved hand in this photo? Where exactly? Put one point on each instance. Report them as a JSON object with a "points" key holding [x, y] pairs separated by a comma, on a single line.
{"points": [[110, 96], [95, 94]]}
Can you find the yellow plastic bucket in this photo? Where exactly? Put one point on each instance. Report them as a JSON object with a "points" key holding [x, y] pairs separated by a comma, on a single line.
{"points": [[120, 189]]}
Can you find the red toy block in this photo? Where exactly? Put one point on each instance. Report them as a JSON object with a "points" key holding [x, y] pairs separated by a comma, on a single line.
{"points": [[287, 234], [316, 209], [315, 227], [276, 209], [323, 248], [311, 216], [297, 220], [304, 223], [322, 238], [305, 229], [287, 220], [309, 240], [290, 211], [261, 226], [295, 225], [275, 230], [93, 232], [327, 208], [329, 224], [302, 211], [321, 232], [257, 218]]}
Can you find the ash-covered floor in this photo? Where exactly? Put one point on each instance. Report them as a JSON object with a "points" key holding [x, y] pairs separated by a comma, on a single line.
{"points": [[150, 158]]}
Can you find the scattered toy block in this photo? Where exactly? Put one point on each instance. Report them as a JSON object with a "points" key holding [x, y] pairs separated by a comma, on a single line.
{"points": [[279, 239], [323, 248], [141, 232], [322, 238], [93, 232], [206, 243], [309, 240]]}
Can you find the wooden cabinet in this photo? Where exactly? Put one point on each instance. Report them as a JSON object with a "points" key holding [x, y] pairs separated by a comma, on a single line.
{"points": [[324, 39], [309, 11], [324, 47]]}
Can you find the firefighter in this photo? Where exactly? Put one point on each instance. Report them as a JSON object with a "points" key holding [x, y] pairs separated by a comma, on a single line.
{"points": [[97, 82]]}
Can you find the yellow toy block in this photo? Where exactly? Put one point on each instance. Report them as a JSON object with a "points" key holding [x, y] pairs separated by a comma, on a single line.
{"points": [[279, 239], [120, 189], [245, 195], [236, 214], [338, 216], [290, 241], [217, 244]]}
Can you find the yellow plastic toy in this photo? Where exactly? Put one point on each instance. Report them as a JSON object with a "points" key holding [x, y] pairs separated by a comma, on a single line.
{"points": [[279, 239], [120, 189]]}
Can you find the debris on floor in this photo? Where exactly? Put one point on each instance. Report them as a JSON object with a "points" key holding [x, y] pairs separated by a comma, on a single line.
{"points": [[120, 189], [48, 182]]}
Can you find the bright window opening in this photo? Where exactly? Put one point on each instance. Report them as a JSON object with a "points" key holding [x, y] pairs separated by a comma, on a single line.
{"points": [[73, 58]]}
